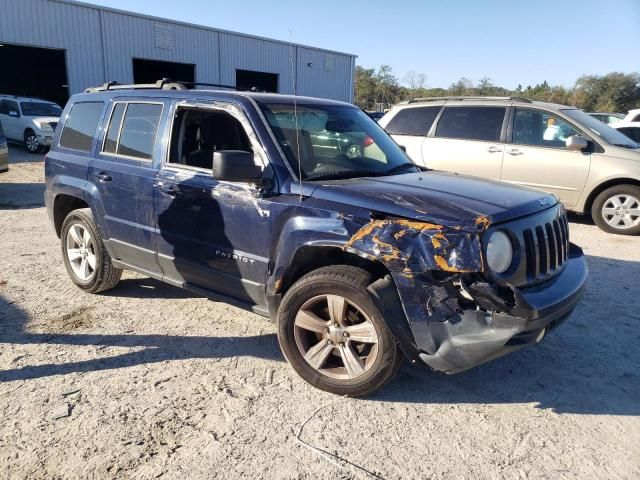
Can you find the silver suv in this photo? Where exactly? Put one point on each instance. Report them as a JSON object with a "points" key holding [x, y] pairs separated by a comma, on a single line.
{"points": [[30, 121], [590, 166]]}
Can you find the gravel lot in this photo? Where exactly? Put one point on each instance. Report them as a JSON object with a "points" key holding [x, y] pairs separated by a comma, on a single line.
{"points": [[150, 381]]}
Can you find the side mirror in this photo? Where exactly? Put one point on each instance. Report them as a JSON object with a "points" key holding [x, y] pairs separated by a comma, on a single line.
{"points": [[574, 142], [235, 166], [13, 113]]}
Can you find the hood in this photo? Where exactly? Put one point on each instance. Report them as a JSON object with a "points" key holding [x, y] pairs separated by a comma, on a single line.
{"points": [[623, 153], [437, 197]]}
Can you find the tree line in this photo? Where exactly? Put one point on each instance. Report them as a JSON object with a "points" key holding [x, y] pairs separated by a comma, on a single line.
{"points": [[378, 89]]}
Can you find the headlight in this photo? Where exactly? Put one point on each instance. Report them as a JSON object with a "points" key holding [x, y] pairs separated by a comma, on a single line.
{"points": [[499, 252], [44, 126]]}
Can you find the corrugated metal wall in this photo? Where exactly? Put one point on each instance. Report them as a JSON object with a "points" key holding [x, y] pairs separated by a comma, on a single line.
{"points": [[101, 43]]}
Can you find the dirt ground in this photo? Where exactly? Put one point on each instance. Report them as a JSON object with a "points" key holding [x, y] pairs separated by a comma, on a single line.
{"points": [[149, 381]]}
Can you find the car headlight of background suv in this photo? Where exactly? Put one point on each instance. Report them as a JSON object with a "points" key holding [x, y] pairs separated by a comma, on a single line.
{"points": [[499, 252], [44, 126]]}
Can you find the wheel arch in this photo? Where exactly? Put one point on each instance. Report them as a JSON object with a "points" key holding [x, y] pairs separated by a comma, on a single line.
{"points": [[605, 185], [64, 204], [382, 290]]}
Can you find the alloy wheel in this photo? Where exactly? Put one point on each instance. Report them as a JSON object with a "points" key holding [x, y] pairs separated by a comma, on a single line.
{"points": [[336, 337], [621, 211], [81, 252], [31, 142]]}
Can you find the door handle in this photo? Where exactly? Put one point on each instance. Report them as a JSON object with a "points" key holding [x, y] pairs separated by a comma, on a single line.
{"points": [[493, 149], [103, 177], [514, 151]]}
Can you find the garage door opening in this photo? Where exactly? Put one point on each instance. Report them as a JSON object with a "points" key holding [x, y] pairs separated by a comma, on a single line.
{"points": [[34, 72], [150, 71], [258, 81]]}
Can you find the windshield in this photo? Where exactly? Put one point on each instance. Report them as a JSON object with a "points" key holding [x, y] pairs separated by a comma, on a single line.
{"points": [[329, 141], [37, 109], [605, 132]]}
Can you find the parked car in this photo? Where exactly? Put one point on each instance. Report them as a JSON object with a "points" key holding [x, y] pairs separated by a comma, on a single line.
{"points": [[376, 115], [630, 129], [632, 116], [4, 152], [591, 167], [30, 121], [606, 117], [358, 260]]}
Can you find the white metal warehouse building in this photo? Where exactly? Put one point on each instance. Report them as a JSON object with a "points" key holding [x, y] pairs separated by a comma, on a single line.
{"points": [[55, 48]]}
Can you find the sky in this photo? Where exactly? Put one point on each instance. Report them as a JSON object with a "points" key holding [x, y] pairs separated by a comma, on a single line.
{"points": [[511, 42]]}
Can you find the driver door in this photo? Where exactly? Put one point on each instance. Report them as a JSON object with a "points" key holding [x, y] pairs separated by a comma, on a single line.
{"points": [[212, 234], [537, 155]]}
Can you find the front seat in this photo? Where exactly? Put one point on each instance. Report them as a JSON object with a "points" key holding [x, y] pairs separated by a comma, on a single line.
{"points": [[217, 132]]}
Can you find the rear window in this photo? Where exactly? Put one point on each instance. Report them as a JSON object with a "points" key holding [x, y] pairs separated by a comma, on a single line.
{"points": [[81, 125], [471, 123], [413, 121]]}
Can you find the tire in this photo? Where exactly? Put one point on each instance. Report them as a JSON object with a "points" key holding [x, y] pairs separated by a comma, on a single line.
{"points": [[371, 364], [617, 210], [31, 143], [103, 275]]}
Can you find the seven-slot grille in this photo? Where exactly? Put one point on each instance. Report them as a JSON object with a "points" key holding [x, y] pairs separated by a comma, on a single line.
{"points": [[546, 247]]}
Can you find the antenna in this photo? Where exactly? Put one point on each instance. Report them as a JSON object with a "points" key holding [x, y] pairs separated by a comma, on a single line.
{"points": [[295, 113]]}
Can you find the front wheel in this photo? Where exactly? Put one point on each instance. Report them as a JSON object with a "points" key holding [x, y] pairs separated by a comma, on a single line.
{"points": [[31, 142], [334, 336], [617, 210], [87, 261]]}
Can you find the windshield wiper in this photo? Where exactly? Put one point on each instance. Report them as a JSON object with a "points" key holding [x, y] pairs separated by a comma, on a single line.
{"points": [[340, 174], [402, 166], [625, 145]]}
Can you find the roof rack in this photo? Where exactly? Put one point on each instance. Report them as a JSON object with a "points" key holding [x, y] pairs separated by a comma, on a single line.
{"points": [[435, 99], [164, 84]]}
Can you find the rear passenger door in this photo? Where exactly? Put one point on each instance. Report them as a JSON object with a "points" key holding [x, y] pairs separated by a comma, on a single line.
{"points": [[469, 140], [122, 174], [409, 128]]}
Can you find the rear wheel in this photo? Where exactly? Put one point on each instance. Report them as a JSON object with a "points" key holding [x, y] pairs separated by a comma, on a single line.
{"points": [[617, 210], [334, 336], [87, 261], [31, 142]]}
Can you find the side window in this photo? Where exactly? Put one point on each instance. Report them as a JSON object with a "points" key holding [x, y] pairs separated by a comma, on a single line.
{"points": [[139, 128], [81, 125], [541, 129], [471, 123], [7, 107], [111, 140], [413, 121], [197, 133]]}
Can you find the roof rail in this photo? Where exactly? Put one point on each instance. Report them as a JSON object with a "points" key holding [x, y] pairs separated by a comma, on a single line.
{"points": [[164, 84], [435, 99]]}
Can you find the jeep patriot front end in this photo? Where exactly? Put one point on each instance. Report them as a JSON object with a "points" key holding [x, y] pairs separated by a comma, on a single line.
{"points": [[357, 254]]}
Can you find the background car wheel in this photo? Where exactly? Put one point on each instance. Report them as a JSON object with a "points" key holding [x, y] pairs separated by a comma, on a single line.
{"points": [[617, 210], [354, 151], [31, 142], [333, 335], [87, 261]]}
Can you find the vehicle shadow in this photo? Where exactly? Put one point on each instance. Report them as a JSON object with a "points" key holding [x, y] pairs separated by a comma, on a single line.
{"points": [[589, 365], [158, 347], [15, 196], [148, 288]]}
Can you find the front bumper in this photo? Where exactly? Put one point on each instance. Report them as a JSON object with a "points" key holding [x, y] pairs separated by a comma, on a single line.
{"points": [[475, 336]]}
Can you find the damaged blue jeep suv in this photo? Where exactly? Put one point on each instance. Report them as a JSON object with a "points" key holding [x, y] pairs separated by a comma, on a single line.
{"points": [[360, 259]]}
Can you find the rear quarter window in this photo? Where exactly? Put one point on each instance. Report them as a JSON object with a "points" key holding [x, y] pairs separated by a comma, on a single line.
{"points": [[413, 121], [471, 123], [81, 125]]}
